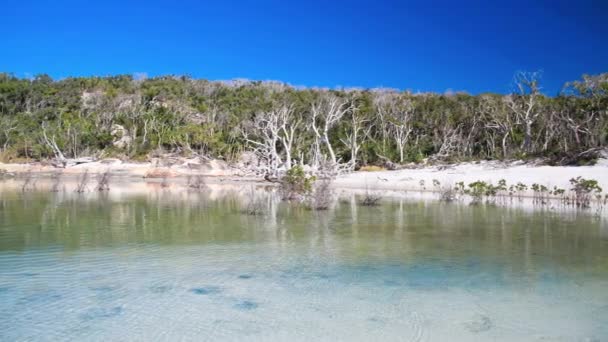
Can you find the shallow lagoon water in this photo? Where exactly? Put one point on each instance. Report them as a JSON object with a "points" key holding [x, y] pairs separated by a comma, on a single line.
{"points": [[172, 265]]}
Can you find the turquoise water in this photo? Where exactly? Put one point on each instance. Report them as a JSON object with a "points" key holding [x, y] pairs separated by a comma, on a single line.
{"points": [[171, 265]]}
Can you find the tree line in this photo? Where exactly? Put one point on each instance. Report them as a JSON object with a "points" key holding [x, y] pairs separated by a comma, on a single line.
{"points": [[121, 116]]}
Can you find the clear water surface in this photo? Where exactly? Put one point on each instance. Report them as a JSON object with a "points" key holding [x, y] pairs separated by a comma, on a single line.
{"points": [[173, 265]]}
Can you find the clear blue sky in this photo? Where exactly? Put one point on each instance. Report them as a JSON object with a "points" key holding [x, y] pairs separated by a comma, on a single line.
{"points": [[435, 46]]}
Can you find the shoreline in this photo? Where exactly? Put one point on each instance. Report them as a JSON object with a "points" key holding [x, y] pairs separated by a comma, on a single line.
{"points": [[425, 178], [424, 183]]}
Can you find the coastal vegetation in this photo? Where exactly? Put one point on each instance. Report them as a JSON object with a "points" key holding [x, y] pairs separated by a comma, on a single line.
{"points": [[323, 129]]}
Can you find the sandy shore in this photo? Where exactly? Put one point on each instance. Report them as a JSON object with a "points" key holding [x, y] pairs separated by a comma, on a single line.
{"points": [[129, 169], [491, 172], [421, 179]]}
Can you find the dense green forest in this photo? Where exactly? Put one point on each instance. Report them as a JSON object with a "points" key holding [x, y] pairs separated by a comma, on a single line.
{"points": [[120, 116]]}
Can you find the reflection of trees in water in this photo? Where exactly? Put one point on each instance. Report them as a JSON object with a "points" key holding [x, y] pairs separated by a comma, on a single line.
{"points": [[403, 230]]}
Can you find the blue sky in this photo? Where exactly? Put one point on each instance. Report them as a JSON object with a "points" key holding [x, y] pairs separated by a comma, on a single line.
{"points": [[418, 45]]}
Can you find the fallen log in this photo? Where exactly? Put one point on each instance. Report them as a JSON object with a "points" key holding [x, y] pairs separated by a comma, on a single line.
{"points": [[268, 178]]}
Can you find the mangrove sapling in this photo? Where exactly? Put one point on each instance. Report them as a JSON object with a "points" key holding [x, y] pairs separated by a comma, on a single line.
{"points": [[422, 184], [255, 206], [502, 185], [29, 183], [448, 194], [539, 193], [583, 190], [103, 181], [370, 199], [491, 192], [460, 189], [480, 189], [559, 193], [520, 188], [602, 201], [598, 198], [544, 191], [502, 190], [196, 183], [535, 192], [83, 179], [322, 196], [436, 184], [56, 178], [296, 185], [477, 190]]}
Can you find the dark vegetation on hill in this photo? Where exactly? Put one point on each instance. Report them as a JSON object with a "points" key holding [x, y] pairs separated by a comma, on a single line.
{"points": [[120, 116]]}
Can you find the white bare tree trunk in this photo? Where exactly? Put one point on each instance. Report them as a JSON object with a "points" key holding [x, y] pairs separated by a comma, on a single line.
{"points": [[329, 109], [269, 129], [52, 144], [289, 125], [353, 140], [398, 110], [525, 104]]}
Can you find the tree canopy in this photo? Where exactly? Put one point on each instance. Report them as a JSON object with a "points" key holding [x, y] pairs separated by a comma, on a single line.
{"points": [[121, 116]]}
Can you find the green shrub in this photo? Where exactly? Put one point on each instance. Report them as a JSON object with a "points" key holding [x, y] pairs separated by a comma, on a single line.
{"points": [[477, 190], [296, 184], [558, 191], [583, 190]]}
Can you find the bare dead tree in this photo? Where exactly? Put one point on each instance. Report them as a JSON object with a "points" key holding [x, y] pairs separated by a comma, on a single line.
{"points": [[322, 196], [525, 102], [396, 113], [577, 126], [474, 125], [196, 182], [498, 122], [29, 183], [263, 135], [289, 124], [52, 144], [56, 178], [592, 88], [325, 114], [359, 131], [269, 129], [83, 179], [381, 97], [450, 143], [103, 181], [255, 206], [370, 199]]}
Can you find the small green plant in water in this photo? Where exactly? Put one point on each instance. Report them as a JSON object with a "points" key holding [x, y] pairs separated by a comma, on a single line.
{"points": [[477, 190], [460, 188], [584, 190], [502, 185], [558, 191], [518, 188], [296, 184], [422, 184], [540, 192]]}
